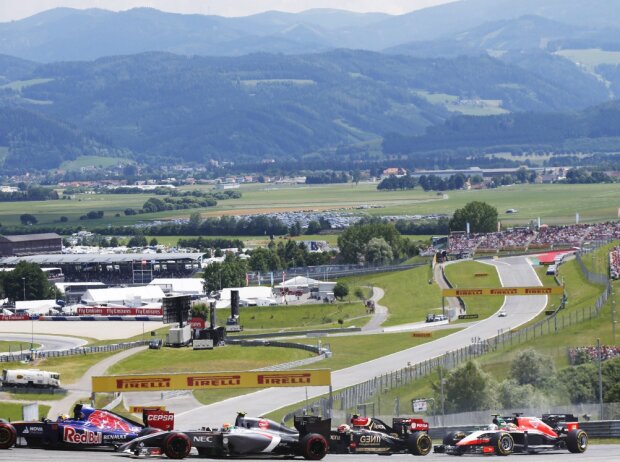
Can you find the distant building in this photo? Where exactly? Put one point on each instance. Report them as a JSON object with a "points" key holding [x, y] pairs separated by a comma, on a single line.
{"points": [[30, 244], [394, 171], [221, 186]]}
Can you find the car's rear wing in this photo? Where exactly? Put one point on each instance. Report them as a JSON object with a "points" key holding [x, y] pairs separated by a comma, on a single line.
{"points": [[313, 424], [555, 420], [406, 425]]}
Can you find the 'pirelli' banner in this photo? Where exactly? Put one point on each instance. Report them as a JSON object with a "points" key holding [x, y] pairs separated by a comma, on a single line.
{"points": [[211, 380], [556, 290]]}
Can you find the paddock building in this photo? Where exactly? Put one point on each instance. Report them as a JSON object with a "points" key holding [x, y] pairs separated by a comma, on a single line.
{"points": [[110, 269]]}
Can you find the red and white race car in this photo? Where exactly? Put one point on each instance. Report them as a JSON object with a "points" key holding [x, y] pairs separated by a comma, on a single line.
{"points": [[519, 434]]}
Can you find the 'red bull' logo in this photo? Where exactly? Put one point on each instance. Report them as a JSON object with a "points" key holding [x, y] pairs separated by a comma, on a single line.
{"points": [[284, 379], [213, 380], [154, 383], [70, 435]]}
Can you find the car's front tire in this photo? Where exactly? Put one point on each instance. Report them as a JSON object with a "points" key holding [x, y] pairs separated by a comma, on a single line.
{"points": [[313, 446], [177, 446], [503, 444], [419, 443], [577, 441]]}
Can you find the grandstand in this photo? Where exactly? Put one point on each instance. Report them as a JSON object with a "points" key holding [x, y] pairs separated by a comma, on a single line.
{"points": [[112, 269], [30, 244]]}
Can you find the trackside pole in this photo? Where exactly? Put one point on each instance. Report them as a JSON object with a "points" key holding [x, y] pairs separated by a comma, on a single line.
{"points": [[331, 401]]}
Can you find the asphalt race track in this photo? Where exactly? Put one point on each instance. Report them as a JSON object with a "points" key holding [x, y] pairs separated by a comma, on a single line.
{"points": [[513, 271], [598, 453], [47, 342]]}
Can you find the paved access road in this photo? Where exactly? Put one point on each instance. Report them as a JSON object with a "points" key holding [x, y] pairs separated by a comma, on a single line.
{"points": [[598, 453], [514, 271]]}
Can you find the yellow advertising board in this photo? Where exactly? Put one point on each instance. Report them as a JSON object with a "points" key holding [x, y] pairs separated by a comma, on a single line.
{"points": [[211, 380], [536, 290]]}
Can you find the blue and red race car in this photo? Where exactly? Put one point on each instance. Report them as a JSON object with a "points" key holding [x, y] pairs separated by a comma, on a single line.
{"points": [[86, 429]]}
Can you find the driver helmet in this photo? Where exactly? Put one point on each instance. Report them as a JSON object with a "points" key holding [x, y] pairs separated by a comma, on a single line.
{"points": [[226, 427], [492, 427], [344, 428], [511, 426], [62, 417]]}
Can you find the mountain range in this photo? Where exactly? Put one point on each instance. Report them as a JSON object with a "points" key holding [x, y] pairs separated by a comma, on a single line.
{"points": [[161, 87]]}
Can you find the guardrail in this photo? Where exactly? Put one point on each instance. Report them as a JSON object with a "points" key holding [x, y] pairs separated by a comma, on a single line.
{"points": [[254, 343], [337, 330], [71, 352]]}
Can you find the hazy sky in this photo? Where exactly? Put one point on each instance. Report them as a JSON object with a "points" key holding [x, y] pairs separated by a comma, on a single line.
{"points": [[17, 9]]}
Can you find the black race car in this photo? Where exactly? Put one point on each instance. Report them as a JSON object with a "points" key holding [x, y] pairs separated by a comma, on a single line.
{"points": [[519, 434], [371, 435], [249, 437], [87, 428]]}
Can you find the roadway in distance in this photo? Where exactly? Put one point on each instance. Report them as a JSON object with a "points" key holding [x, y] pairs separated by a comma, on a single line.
{"points": [[596, 453]]}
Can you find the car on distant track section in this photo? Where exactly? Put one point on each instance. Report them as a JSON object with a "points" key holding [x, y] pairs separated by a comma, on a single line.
{"points": [[518, 434], [373, 436], [248, 437], [87, 428]]}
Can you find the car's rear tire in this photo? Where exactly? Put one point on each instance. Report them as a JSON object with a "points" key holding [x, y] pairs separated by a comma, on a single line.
{"points": [[452, 438], [502, 443], [577, 441], [419, 443], [313, 446], [177, 446], [8, 435]]}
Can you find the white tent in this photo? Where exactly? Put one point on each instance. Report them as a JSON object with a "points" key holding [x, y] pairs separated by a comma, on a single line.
{"points": [[247, 296], [36, 306], [125, 296], [180, 286], [299, 282]]}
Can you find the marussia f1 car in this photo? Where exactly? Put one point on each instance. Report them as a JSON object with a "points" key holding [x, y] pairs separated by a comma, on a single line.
{"points": [[86, 429], [249, 437], [371, 435], [519, 434]]}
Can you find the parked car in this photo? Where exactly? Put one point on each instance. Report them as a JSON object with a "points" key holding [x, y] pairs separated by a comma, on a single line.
{"points": [[155, 344]]}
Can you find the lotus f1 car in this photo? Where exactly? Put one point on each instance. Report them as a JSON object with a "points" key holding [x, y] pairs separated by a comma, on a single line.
{"points": [[86, 429], [519, 434], [371, 435], [249, 437]]}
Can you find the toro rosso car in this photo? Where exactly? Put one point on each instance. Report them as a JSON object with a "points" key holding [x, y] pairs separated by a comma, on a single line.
{"points": [[371, 435], [87, 428], [519, 434], [249, 437]]}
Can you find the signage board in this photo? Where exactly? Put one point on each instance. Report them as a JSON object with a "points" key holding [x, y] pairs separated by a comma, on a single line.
{"points": [[486, 291], [117, 311], [419, 405], [211, 380], [202, 344]]}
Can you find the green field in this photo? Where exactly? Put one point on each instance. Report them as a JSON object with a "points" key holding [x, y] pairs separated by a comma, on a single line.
{"points": [[591, 58], [596, 202], [16, 347], [92, 161], [229, 358], [319, 316], [408, 295], [13, 411], [462, 275]]}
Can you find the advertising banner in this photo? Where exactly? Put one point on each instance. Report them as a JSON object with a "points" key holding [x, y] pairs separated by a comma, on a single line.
{"points": [[539, 290], [211, 380], [117, 311], [14, 317]]}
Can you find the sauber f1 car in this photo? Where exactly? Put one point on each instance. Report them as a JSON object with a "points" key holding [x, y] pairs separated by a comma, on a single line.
{"points": [[519, 434], [371, 435], [87, 428], [249, 437]]}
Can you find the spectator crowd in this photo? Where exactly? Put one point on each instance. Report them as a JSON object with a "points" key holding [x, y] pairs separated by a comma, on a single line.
{"points": [[586, 354], [614, 263], [545, 238]]}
